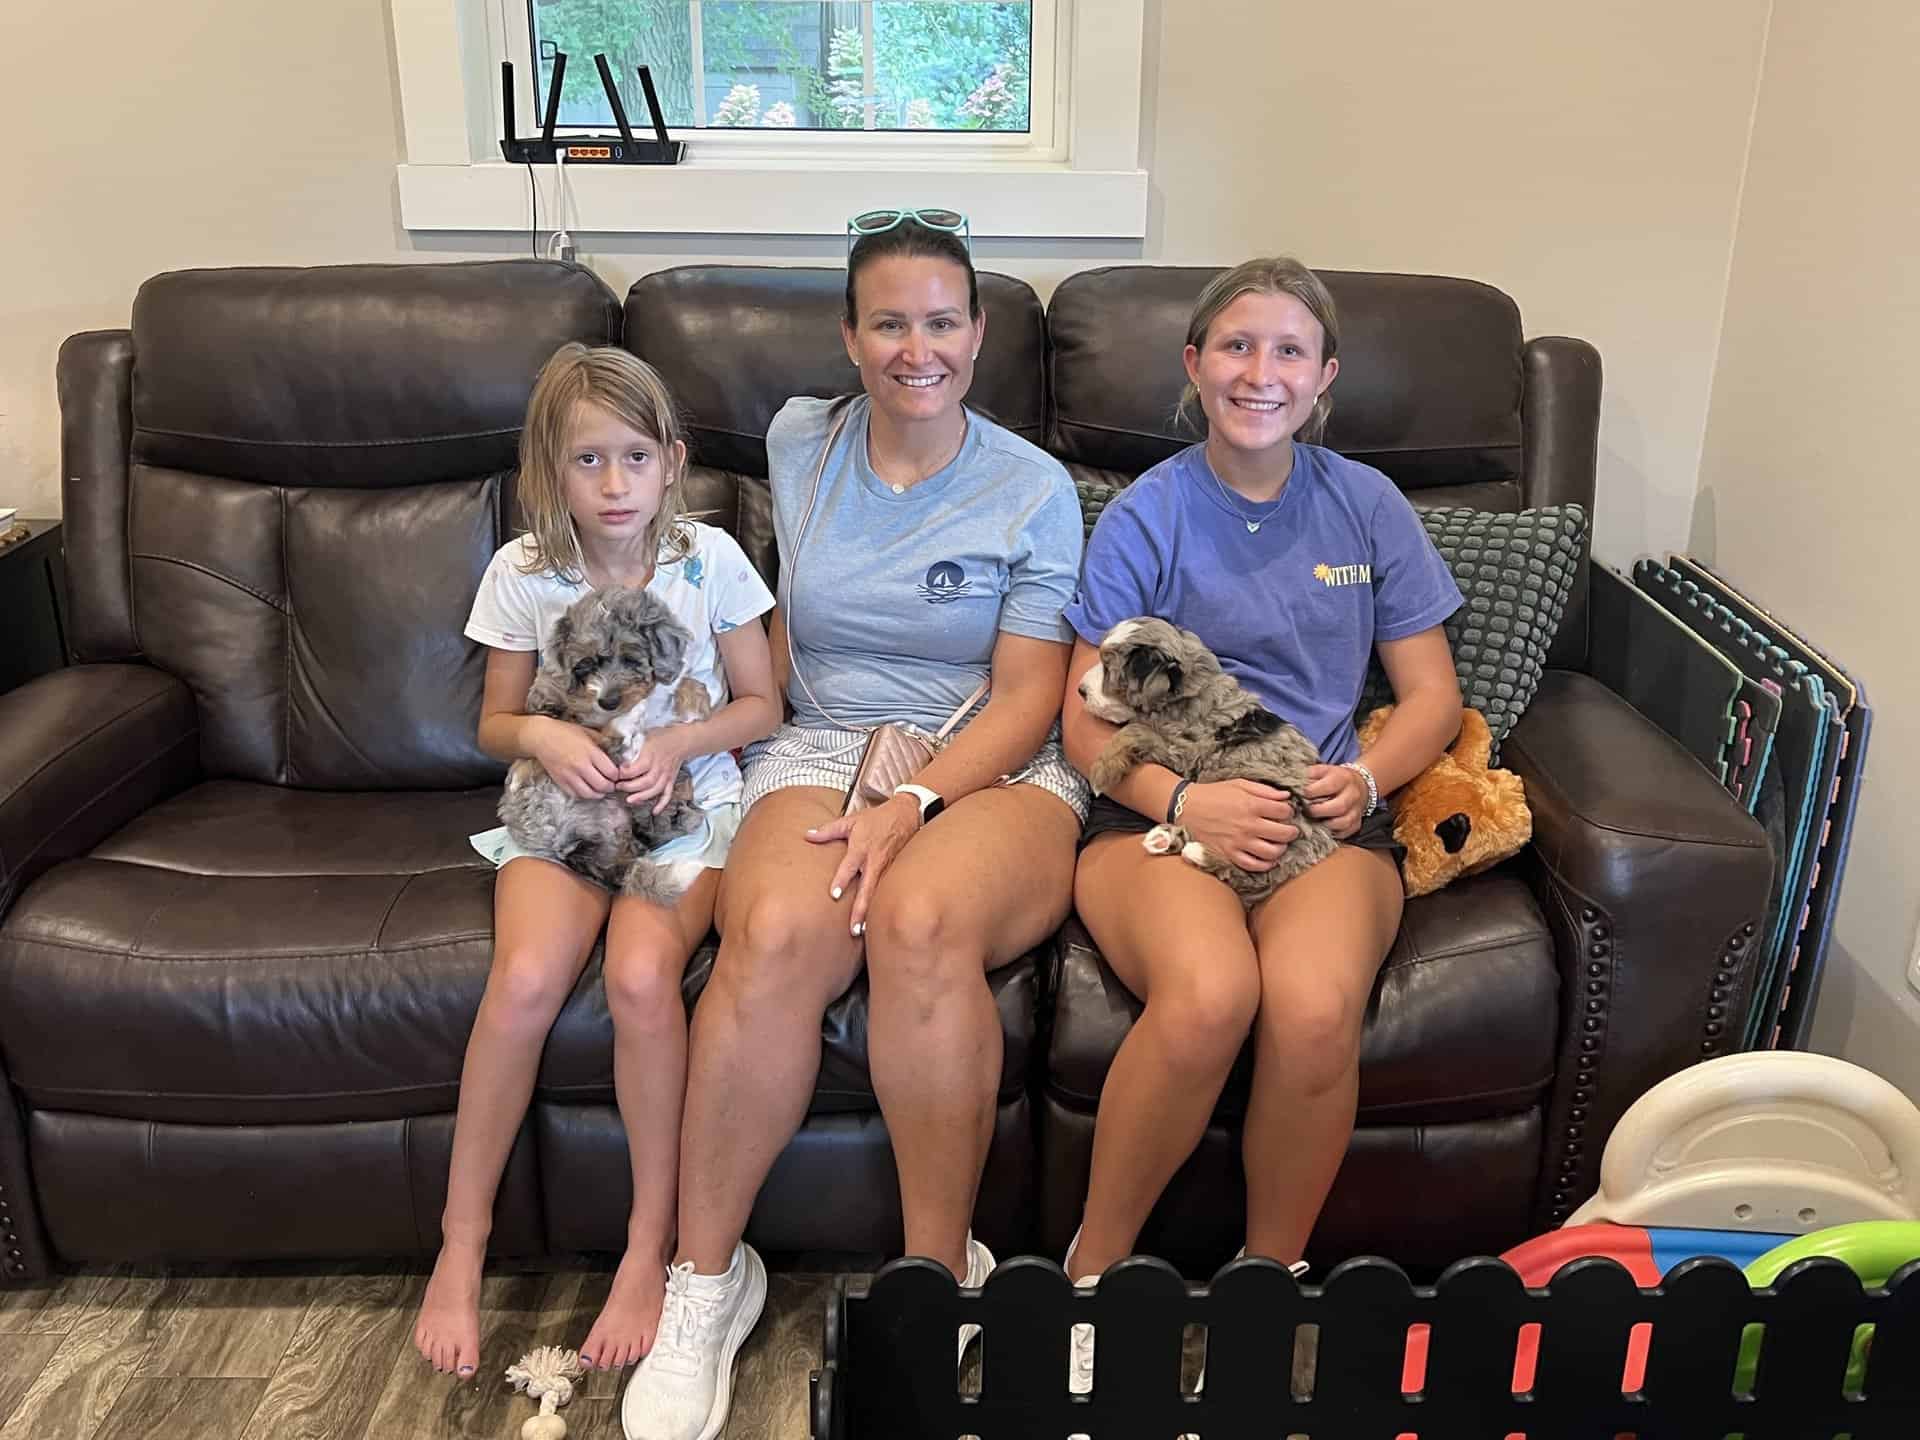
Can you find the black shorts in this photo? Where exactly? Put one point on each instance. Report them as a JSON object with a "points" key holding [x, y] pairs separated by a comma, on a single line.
{"points": [[1109, 816]]}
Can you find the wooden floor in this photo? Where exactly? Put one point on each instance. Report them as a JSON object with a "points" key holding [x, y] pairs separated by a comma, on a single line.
{"points": [[282, 1354]]}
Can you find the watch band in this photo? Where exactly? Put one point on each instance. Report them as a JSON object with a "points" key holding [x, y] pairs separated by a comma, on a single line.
{"points": [[931, 802]]}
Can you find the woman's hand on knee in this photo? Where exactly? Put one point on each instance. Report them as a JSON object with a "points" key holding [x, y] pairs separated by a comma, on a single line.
{"points": [[1245, 821], [874, 837]]}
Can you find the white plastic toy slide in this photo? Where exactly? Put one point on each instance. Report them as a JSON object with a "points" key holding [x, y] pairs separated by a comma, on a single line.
{"points": [[1777, 1141]]}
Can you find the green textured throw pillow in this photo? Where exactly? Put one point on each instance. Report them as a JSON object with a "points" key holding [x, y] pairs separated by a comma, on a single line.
{"points": [[1094, 495], [1515, 571]]}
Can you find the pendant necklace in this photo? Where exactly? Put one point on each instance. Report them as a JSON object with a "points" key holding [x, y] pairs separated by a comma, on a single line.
{"points": [[1253, 526]]}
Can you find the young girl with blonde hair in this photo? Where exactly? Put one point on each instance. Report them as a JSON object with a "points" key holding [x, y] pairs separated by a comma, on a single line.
{"points": [[602, 466]]}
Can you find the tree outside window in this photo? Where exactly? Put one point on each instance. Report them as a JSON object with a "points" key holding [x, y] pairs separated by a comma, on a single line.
{"points": [[922, 65]]}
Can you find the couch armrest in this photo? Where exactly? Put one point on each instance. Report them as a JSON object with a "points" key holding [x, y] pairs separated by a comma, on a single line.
{"points": [[1654, 882], [1560, 438], [83, 751]]}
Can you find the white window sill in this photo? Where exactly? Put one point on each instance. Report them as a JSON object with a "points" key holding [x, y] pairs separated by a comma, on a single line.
{"points": [[448, 53], [797, 197]]}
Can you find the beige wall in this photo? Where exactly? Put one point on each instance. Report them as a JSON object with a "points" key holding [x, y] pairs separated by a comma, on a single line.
{"points": [[1589, 172], [1807, 487]]}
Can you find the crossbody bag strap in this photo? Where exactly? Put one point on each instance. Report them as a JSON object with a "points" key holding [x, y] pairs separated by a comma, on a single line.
{"points": [[793, 567], [979, 694]]}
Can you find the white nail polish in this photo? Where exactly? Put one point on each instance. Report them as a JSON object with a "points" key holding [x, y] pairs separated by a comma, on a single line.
{"points": [[836, 892], [860, 929]]}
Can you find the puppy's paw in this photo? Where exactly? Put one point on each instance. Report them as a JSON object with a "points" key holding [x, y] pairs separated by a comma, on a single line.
{"points": [[1194, 853], [1163, 840], [1106, 772], [691, 700]]}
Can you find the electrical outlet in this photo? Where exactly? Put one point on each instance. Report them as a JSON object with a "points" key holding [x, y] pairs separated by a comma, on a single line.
{"points": [[1913, 966]]}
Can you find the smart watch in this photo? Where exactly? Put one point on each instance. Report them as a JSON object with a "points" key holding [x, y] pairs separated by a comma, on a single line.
{"points": [[929, 801]]}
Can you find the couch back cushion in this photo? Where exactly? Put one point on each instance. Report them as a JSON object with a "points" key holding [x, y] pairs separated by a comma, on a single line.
{"points": [[1429, 385], [321, 466]]}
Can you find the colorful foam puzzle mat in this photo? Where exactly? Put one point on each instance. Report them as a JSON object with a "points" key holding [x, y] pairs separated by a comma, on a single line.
{"points": [[1794, 754]]}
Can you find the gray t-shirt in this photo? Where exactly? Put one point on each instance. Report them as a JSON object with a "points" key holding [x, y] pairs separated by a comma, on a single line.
{"points": [[894, 601]]}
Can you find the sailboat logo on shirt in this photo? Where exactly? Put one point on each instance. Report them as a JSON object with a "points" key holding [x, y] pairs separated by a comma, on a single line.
{"points": [[945, 581]]}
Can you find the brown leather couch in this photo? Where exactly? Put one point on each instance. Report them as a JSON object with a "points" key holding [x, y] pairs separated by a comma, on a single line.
{"points": [[244, 935]]}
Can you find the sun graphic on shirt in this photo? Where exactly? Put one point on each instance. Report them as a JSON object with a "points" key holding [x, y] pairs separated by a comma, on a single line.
{"points": [[1322, 573]]}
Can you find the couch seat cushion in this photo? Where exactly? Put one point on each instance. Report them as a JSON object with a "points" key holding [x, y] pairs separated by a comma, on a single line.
{"points": [[246, 953], [252, 954], [1461, 1025]]}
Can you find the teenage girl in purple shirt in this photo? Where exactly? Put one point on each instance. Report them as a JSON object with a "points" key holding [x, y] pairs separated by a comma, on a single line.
{"points": [[1294, 565]]}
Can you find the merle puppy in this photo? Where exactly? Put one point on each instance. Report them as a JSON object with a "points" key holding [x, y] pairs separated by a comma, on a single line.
{"points": [[1176, 707], [616, 665]]}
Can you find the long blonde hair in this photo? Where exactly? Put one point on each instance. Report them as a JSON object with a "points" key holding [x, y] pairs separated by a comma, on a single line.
{"points": [[631, 391], [1270, 275]]}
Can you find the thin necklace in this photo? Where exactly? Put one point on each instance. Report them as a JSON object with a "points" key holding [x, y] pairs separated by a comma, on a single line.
{"points": [[895, 486], [1253, 526]]}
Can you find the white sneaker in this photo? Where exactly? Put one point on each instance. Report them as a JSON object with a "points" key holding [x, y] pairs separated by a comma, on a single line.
{"points": [[1080, 1343], [684, 1387], [1080, 1338], [1296, 1269], [979, 1266]]}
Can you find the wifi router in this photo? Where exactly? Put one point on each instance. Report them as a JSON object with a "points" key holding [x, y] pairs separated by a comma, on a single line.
{"points": [[621, 149]]}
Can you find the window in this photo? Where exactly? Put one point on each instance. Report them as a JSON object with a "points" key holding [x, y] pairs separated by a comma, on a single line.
{"points": [[1025, 114], [900, 65]]}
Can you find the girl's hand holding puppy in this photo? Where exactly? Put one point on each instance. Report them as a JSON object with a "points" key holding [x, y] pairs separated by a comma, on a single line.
{"points": [[650, 775], [1245, 821], [1336, 796], [573, 758]]}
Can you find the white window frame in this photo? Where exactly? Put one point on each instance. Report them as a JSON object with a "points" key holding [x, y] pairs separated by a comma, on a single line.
{"points": [[1075, 175], [1044, 141]]}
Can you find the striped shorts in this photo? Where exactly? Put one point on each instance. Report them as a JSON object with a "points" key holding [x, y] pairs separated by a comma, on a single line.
{"points": [[796, 755]]}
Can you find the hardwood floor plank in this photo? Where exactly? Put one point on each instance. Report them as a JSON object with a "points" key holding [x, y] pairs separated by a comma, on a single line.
{"points": [[330, 1379], [770, 1383], [49, 1308], [586, 1419], [171, 1408], [594, 1287], [22, 1358], [348, 1371], [517, 1312], [82, 1381], [233, 1326]]}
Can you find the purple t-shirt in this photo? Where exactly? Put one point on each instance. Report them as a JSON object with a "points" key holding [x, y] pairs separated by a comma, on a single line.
{"points": [[1294, 610]]}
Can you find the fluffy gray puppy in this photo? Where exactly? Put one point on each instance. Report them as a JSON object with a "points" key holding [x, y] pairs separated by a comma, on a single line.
{"points": [[1176, 707], [615, 664]]}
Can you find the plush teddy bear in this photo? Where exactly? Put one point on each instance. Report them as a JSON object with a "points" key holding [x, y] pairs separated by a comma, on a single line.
{"points": [[1457, 817]]}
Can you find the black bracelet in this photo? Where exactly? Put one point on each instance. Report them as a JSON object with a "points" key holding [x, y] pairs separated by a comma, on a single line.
{"points": [[1173, 801]]}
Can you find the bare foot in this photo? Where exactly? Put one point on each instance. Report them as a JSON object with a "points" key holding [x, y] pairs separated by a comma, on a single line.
{"points": [[631, 1317], [448, 1332]]}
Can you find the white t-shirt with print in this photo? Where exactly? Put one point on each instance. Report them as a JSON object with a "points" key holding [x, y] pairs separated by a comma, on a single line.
{"points": [[711, 590]]}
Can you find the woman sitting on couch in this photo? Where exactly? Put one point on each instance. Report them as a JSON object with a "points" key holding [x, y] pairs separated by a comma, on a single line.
{"points": [[923, 550], [1293, 565]]}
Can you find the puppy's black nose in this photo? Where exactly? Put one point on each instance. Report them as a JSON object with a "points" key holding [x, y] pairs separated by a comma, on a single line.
{"points": [[1081, 689], [609, 702], [1453, 832]]}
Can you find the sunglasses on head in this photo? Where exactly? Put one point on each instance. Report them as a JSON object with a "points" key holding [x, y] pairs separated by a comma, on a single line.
{"points": [[878, 222]]}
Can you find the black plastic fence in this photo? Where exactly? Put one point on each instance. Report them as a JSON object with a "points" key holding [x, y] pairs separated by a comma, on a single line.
{"points": [[1341, 1361]]}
